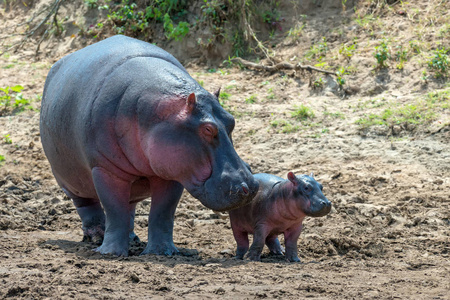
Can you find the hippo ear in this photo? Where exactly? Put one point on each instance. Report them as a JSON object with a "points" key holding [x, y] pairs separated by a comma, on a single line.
{"points": [[312, 175], [190, 102], [292, 178], [217, 93]]}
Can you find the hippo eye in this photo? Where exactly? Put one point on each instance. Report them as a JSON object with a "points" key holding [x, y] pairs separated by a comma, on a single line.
{"points": [[209, 131], [308, 188]]}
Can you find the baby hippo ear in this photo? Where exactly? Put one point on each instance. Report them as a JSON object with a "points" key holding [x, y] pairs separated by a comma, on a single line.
{"points": [[312, 175], [190, 102], [292, 178]]}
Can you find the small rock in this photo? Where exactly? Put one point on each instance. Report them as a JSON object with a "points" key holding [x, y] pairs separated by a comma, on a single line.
{"points": [[134, 278]]}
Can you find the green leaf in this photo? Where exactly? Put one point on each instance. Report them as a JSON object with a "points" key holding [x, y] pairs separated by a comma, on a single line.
{"points": [[17, 88]]}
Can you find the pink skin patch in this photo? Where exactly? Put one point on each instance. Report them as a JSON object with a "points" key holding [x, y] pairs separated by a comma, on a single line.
{"points": [[180, 108], [179, 162]]}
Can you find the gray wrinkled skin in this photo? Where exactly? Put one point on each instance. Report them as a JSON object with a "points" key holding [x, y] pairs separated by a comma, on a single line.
{"points": [[121, 121]]}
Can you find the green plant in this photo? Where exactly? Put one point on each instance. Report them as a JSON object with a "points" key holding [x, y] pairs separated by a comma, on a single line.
{"points": [[7, 139], [302, 112], [424, 76], [318, 83], [224, 96], [252, 99], [91, 3], [439, 63], [414, 113], [318, 51], [178, 32], [12, 99], [414, 45], [285, 126], [401, 56], [382, 54], [128, 17], [348, 51], [271, 95], [337, 115], [340, 76], [296, 32], [2, 158]]}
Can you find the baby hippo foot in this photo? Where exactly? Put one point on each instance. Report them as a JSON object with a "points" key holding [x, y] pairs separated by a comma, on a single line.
{"points": [[292, 257], [94, 234], [167, 249], [240, 252], [274, 246], [254, 255]]}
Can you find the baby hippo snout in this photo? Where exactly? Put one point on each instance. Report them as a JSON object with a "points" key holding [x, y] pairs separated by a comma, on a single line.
{"points": [[320, 207]]}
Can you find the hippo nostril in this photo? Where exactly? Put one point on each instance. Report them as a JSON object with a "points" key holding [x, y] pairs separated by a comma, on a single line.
{"points": [[244, 188]]}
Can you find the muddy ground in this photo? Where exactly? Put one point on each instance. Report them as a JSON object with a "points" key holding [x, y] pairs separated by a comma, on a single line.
{"points": [[386, 237]]}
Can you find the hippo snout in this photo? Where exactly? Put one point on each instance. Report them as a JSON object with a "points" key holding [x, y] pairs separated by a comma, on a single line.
{"points": [[248, 190], [320, 208]]}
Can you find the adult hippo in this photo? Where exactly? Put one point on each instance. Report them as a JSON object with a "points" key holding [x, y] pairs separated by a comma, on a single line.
{"points": [[121, 121]]}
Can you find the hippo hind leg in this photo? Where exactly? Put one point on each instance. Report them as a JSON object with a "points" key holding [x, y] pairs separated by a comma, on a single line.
{"points": [[274, 245], [92, 217]]}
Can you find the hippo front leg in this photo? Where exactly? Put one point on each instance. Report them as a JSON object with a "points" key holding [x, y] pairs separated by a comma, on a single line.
{"points": [[291, 236], [114, 194], [165, 198], [259, 238]]}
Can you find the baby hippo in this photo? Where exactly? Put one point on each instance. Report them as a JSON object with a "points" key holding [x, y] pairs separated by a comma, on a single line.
{"points": [[279, 207]]}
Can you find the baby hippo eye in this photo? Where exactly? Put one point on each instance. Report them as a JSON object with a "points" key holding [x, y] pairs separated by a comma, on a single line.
{"points": [[308, 188]]}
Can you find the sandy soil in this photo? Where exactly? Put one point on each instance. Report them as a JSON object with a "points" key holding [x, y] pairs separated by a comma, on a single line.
{"points": [[386, 237]]}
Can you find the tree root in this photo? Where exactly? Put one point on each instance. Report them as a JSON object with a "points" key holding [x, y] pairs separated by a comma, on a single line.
{"points": [[52, 12], [279, 66]]}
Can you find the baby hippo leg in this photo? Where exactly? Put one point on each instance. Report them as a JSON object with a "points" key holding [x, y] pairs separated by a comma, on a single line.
{"points": [[274, 245], [291, 236], [241, 238], [259, 238]]}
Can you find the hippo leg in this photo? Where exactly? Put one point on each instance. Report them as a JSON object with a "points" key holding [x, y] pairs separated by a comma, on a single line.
{"points": [[165, 198], [241, 238], [114, 194], [92, 218], [274, 245], [132, 235], [259, 238], [291, 236]]}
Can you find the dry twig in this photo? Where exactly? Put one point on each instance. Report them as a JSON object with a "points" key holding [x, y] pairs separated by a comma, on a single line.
{"points": [[279, 66], [53, 11]]}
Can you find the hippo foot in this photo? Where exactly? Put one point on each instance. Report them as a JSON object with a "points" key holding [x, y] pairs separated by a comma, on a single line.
{"points": [[254, 256], [134, 238], [277, 252], [164, 249], [113, 249], [94, 234], [239, 256], [292, 258]]}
